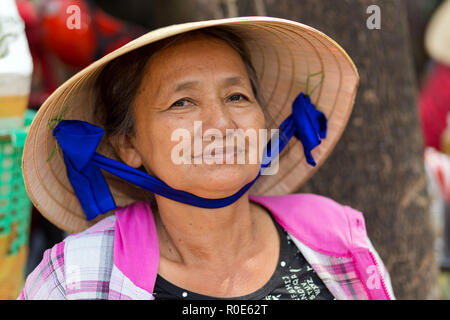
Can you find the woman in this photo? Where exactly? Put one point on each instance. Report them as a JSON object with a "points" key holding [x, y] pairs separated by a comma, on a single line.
{"points": [[181, 222]]}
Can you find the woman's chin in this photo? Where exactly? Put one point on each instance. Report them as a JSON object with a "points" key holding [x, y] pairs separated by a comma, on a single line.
{"points": [[220, 181]]}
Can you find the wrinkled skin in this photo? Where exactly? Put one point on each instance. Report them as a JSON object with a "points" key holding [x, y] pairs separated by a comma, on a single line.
{"points": [[223, 252]]}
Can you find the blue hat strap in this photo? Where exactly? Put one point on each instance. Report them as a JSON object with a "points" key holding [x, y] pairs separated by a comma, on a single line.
{"points": [[79, 141]]}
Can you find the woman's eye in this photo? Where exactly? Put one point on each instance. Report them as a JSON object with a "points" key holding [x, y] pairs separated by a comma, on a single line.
{"points": [[180, 103], [238, 97]]}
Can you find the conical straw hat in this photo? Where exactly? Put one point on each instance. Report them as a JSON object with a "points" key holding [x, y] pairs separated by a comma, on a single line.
{"points": [[284, 53]]}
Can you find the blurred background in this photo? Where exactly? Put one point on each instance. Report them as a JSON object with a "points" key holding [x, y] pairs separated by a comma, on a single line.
{"points": [[392, 162]]}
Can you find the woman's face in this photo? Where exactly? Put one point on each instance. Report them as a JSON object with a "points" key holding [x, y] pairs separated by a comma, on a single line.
{"points": [[199, 78]]}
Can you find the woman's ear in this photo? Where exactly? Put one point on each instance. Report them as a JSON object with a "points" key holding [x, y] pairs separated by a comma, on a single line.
{"points": [[126, 150]]}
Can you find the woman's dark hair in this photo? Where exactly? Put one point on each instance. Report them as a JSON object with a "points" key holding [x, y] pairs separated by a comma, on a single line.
{"points": [[119, 81]]}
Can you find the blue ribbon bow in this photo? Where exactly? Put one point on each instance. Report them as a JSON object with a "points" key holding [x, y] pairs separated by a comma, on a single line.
{"points": [[79, 141], [307, 124]]}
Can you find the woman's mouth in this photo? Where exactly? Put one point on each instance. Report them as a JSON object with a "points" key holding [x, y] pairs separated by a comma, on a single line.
{"points": [[220, 155]]}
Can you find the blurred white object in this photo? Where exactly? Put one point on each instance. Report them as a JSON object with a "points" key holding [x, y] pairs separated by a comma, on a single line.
{"points": [[437, 167], [437, 34], [16, 67]]}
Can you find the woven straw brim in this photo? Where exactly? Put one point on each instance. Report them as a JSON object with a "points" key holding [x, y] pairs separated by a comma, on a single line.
{"points": [[283, 53], [437, 34]]}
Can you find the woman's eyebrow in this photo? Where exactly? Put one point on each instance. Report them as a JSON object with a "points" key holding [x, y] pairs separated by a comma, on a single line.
{"points": [[185, 85], [231, 81], [228, 81]]}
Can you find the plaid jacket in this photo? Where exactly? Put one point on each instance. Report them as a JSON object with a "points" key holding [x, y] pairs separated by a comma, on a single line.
{"points": [[117, 258]]}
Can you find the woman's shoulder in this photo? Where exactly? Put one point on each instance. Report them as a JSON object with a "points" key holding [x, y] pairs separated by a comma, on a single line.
{"points": [[102, 228], [331, 217], [328, 211], [79, 260], [90, 242], [85, 248], [310, 208], [318, 220]]}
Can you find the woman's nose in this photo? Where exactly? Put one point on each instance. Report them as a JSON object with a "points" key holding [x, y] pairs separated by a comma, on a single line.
{"points": [[217, 116]]}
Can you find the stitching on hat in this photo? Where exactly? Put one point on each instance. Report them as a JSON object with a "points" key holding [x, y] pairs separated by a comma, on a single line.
{"points": [[58, 119], [317, 85]]}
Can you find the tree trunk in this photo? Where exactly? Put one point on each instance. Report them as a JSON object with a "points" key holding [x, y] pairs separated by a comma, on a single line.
{"points": [[377, 166]]}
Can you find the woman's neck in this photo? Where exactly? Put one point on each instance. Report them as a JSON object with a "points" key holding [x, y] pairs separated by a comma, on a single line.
{"points": [[193, 236]]}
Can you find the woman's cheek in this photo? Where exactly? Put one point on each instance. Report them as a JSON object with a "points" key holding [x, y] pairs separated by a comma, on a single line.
{"points": [[160, 153]]}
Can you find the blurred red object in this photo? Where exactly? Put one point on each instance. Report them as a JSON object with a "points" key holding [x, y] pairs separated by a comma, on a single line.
{"points": [[52, 31], [112, 33], [434, 105], [28, 12], [437, 165], [74, 45]]}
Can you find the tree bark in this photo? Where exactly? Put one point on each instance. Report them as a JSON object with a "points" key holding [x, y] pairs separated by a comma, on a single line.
{"points": [[377, 166]]}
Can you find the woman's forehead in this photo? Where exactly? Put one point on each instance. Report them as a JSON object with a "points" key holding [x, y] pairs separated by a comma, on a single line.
{"points": [[196, 50], [194, 57]]}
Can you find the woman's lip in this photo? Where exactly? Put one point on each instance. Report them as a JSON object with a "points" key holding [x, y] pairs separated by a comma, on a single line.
{"points": [[219, 153]]}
